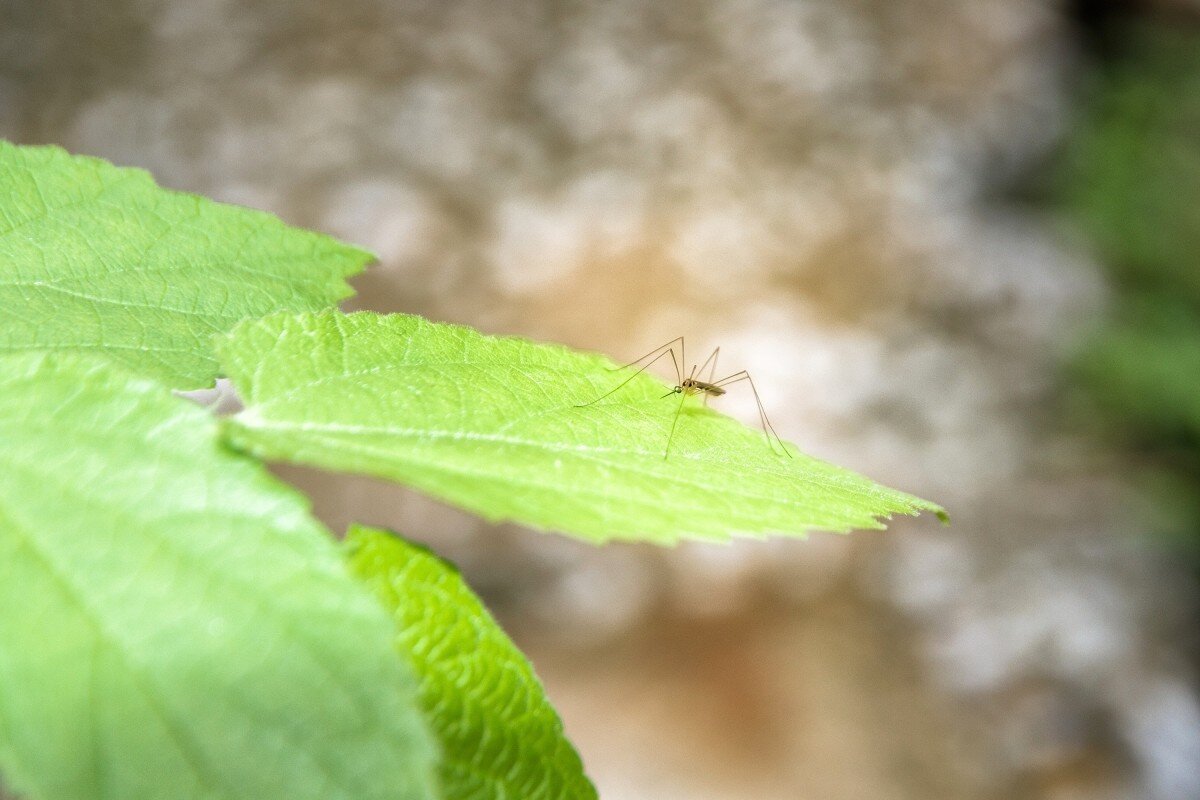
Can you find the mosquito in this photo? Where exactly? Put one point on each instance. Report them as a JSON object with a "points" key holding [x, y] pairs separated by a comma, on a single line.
{"points": [[691, 385]]}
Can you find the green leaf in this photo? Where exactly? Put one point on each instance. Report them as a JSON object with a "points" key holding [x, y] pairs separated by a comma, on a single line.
{"points": [[500, 736], [173, 623], [98, 258], [492, 424]]}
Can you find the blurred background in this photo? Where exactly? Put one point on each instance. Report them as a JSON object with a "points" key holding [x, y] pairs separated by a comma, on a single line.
{"points": [[956, 241]]}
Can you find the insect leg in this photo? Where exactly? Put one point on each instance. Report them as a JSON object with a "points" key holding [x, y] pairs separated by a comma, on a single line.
{"points": [[627, 380], [678, 369], [661, 351], [762, 414], [712, 369], [652, 352], [674, 422]]}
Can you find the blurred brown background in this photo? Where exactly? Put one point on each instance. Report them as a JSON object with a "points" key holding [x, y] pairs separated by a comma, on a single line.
{"points": [[860, 202]]}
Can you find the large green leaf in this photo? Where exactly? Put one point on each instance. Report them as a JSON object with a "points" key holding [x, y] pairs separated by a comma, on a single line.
{"points": [[500, 737], [97, 258], [173, 623], [492, 424]]}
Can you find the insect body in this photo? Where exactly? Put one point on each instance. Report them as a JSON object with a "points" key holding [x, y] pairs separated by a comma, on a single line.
{"points": [[695, 386], [692, 385]]}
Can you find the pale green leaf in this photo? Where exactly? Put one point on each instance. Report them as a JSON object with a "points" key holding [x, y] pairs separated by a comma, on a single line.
{"points": [[97, 258], [499, 735], [173, 623], [492, 424]]}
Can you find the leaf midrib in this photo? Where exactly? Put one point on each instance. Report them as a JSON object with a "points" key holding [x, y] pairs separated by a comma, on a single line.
{"points": [[844, 522], [254, 421]]}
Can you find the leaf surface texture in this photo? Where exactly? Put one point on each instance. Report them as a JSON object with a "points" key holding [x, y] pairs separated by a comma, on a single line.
{"points": [[499, 735], [97, 258], [493, 425], [175, 624]]}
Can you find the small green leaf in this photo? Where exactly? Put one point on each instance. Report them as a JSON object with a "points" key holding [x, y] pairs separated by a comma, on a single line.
{"points": [[493, 424], [173, 623], [500, 736], [97, 258]]}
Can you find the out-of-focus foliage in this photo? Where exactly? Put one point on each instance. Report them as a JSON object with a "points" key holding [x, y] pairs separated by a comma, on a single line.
{"points": [[1133, 182]]}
